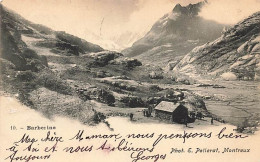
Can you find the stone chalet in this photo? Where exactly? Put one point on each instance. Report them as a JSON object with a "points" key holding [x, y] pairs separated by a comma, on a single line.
{"points": [[174, 112]]}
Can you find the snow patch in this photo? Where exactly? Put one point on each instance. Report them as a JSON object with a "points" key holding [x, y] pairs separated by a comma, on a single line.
{"points": [[246, 57], [236, 64], [256, 48], [173, 16], [242, 47], [164, 23], [229, 76]]}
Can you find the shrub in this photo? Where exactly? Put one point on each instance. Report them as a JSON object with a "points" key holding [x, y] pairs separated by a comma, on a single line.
{"points": [[155, 88], [154, 100], [30, 54], [34, 65], [25, 76], [106, 97], [5, 65], [154, 75], [133, 101], [34, 62], [132, 63], [98, 117], [100, 95], [49, 80]]}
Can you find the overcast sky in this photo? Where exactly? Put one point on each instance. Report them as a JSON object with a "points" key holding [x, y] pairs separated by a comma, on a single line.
{"points": [[82, 17]]}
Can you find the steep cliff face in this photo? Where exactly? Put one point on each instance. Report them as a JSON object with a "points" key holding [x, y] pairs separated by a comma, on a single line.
{"points": [[235, 55], [174, 35]]}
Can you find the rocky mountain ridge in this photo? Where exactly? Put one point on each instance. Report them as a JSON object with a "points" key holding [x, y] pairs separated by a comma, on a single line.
{"points": [[234, 55], [174, 35]]}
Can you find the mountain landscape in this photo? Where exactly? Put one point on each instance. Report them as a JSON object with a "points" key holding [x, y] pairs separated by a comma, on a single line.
{"points": [[174, 35], [211, 71], [59, 74]]}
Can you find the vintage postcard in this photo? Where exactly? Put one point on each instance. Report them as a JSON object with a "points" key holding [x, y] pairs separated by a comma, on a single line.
{"points": [[130, 80]]}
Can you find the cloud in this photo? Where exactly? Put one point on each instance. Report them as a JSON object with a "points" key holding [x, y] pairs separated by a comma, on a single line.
{"points": [[81, 15], [229, 11], [146, 14]]}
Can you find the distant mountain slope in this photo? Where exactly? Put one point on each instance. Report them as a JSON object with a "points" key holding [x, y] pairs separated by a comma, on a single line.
{"points": [[13, 26], [174, 35], [235, 55]]}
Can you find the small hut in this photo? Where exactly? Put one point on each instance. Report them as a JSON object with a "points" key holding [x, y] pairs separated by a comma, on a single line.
{"points": [[174, 112]]}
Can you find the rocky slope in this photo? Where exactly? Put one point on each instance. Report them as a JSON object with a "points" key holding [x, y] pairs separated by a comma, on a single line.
{"points": [[234, 55], [174, 35]]}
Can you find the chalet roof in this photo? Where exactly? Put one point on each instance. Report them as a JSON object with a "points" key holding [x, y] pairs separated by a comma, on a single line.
{"points": [[167, 106]]}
